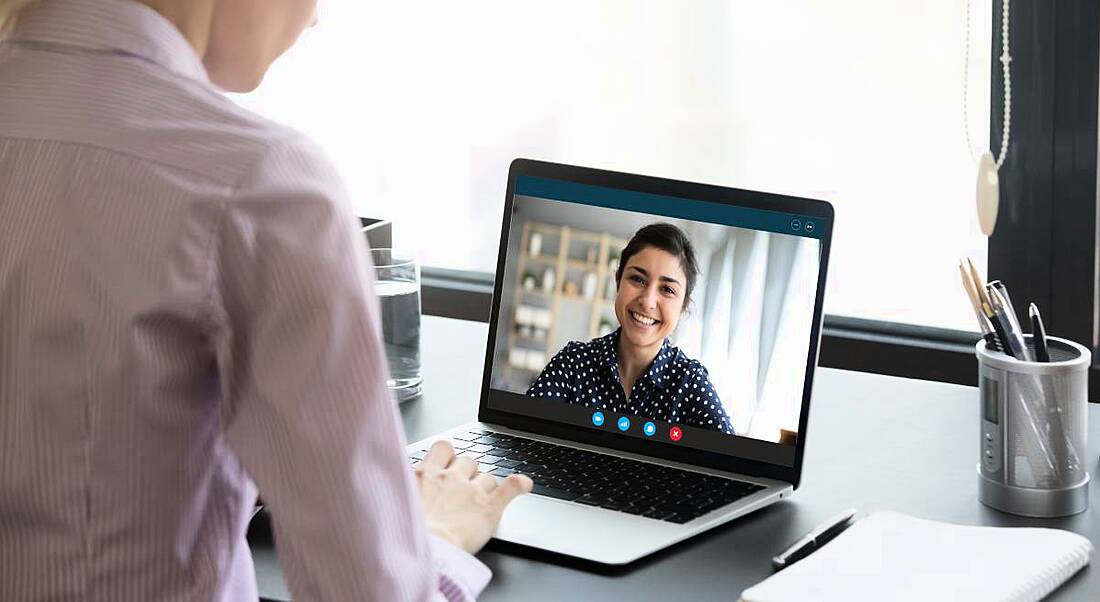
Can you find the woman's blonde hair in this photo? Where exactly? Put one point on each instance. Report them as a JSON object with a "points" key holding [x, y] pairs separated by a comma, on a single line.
{"points": [[9, 11]]}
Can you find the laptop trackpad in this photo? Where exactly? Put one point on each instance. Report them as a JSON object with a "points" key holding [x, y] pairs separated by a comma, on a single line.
{"points": [[586, 532]]}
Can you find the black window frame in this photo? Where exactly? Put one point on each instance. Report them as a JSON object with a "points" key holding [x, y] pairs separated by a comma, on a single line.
{"points": [[1040, 249], [1044, 247]]}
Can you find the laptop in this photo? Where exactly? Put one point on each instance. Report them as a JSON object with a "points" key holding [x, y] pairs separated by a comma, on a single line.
{"points": [[592, 285]]}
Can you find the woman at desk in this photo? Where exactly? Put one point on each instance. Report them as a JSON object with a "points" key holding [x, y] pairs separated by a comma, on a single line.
{"points": [[187, 316], [635, 369]]}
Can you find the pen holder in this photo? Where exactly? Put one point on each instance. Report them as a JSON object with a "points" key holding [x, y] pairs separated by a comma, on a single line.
{"points": [[1033, 429]]}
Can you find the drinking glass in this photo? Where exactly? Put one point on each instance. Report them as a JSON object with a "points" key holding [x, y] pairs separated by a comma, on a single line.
{"points": [[397, 282]]}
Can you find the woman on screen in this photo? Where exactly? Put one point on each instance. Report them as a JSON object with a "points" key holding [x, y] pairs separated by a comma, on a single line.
{"points": [[635, 370]]}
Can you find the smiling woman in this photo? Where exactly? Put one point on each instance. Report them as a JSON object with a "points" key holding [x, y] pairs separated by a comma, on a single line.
{"points": [[635, 369]]}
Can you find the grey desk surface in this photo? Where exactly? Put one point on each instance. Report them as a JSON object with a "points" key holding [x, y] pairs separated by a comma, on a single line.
{"points": [[874, 442]]}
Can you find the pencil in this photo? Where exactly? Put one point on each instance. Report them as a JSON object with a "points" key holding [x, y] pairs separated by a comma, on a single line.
{"points": [[979, 283], [975, 302], [982, 311]]}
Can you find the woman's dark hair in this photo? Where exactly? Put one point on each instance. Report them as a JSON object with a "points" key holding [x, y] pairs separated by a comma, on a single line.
{"points": [[668, 238]]}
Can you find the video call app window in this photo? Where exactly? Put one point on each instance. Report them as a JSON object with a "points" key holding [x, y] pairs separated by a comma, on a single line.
{"points": [[682, 322]]}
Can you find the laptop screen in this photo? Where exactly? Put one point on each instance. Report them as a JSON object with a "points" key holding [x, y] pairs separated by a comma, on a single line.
{"points": [[670, 320]]}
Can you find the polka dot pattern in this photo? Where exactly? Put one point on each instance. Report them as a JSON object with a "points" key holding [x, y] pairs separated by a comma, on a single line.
{"points": [[675, 388]]}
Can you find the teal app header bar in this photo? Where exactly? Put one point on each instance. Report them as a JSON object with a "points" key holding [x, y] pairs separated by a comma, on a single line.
{"points": [[670, 206]]}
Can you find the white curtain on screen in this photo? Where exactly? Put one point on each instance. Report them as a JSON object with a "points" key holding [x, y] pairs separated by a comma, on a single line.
{"points": [[750, 324]]}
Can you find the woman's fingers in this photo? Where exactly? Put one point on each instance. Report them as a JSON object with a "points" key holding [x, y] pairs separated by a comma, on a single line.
{"points": [[465, 467], [486, 482], [515, 485], [439, 455]]}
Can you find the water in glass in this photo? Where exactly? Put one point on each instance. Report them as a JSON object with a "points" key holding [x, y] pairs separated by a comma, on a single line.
{"points": [[398, 289]]}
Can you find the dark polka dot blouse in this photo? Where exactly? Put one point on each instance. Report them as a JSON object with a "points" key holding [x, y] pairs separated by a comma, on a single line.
{"points": [[675, 388]]}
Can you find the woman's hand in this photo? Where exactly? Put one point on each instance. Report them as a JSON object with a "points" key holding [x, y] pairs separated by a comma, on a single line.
{"points": [[460, 504]]}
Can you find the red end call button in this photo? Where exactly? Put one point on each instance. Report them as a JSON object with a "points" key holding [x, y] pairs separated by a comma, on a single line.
{"points": [[675, 433]]}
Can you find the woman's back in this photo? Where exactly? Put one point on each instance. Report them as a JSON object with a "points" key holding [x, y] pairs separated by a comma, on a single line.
{"points": [[116, 163], [186, 308]]}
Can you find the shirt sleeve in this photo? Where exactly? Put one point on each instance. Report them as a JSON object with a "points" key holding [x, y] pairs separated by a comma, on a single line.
{"points": [[705, 408], [556, 381], [303, 376]]}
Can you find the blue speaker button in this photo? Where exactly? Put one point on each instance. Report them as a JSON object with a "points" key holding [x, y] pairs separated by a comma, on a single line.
{"points": [[624, 424]]}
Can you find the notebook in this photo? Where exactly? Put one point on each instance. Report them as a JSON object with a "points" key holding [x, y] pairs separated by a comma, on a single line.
{"points": [[893, 556]]}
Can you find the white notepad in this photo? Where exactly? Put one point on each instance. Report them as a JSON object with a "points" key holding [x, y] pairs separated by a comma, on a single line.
{"points": [[891, 556]]}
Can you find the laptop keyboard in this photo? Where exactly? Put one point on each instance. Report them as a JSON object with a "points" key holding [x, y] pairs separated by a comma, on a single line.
{"points": [[594, 479]]}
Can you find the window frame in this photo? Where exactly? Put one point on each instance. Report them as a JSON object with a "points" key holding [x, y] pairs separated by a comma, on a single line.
{"points": [[1052, 155]]}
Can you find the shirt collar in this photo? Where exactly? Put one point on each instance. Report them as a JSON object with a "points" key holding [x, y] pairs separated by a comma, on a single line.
{"points": [[121, 26], [656, 372]]}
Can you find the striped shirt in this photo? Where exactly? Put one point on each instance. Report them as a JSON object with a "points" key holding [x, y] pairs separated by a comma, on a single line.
{"points": [[186, 314]]}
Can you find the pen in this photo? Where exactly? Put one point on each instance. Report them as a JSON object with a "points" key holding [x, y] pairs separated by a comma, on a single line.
{"points": [[1038, 334], [988, 334], [1001, 288], [998, 327], [1014, 338], [987, 308], [813, 540], [1010, 311]]}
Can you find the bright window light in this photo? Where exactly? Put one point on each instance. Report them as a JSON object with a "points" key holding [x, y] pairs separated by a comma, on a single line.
{"points": [[422, 105]]}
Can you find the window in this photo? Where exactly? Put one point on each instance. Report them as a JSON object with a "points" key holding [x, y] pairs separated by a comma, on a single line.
{"points": [[422, 106]]}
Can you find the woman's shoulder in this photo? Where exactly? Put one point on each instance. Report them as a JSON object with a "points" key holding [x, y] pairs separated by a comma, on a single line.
{"points": [[680, 359], [574, 349], [584, 350], [690, 367], [599, 346], [218, 137], [185, 123]]}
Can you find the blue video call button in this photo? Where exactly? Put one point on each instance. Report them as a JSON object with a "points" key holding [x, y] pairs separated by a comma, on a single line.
{"points": [[624, 424], [649, 429], [597, 418]]}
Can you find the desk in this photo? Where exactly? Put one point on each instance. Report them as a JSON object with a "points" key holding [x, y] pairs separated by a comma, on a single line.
{"points": [[875, 442]]}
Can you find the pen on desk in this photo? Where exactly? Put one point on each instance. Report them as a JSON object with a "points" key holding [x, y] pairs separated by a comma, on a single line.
{"points": [[1014, 336], [1038, 334], [988, 334], [813, 540]]}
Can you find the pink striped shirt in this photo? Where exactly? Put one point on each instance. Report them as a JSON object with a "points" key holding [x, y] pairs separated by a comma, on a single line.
{"points": [[185, 310]]}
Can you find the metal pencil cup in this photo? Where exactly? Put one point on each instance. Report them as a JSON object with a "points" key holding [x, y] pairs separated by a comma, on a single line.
{"points": [[1033, 429]]}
